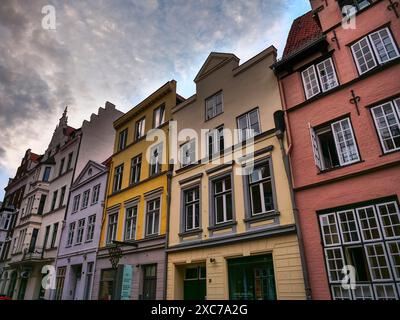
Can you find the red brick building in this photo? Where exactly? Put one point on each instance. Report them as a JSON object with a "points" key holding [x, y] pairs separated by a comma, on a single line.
{"points": [[341, 93]]}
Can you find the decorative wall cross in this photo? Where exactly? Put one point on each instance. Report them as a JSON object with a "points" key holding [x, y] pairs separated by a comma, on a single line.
{"points": [[393, 7], [355, 100]]}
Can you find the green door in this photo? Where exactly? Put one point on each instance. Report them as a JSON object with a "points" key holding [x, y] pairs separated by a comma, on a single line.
{"points": [[251, 278], [194, 287]]}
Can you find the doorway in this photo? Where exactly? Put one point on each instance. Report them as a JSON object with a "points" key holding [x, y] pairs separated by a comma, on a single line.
{"points": [[195, 285]]}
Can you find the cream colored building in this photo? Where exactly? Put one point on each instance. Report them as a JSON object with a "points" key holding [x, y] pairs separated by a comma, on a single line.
{"points": [[226, 242]]}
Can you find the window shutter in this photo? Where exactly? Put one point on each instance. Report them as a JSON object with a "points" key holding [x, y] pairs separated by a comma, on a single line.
{"points": [[315, 147]]}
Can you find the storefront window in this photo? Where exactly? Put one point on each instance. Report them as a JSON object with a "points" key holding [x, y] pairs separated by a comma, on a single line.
{"points": [[107, 283], [251, 278]]}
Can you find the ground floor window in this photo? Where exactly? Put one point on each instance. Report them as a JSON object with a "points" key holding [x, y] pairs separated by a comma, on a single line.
{"points": [[88, 282], [251, 278], [149, 282], [107, 284], [61, 271], [366, 237]]}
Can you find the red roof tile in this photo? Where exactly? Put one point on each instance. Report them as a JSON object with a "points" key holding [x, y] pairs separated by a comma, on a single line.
{"points": [[304, 30]]}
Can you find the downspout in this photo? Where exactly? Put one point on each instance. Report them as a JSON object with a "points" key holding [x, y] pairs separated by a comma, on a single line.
{"points": [[169, 180], [286, 162], [52, 296]]}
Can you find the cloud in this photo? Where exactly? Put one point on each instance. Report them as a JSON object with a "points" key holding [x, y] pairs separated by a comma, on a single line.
{"points": [[117, 50]]}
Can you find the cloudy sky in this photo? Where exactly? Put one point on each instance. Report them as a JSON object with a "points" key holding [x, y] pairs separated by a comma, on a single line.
{"points": [[115, 50]]}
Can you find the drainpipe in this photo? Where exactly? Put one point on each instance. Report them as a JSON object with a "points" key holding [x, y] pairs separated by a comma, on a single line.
{"points": [[169, 180]]}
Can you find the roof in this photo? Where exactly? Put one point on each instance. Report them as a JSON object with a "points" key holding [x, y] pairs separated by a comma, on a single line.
{"points": [[304, 30], [34, 157], [70, 130], [213, 62]]}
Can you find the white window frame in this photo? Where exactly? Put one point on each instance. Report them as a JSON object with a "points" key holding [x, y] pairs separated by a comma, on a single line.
{"points": [[260, 183], [311, 93], [192, 204], [374, 46], [91, 225], [140, 128], [388, 243], [154, 213], [85, 199], [133, 220], [366, 246], [136, 162], [321, 83], [80, 230], [122, 137], [330, 235], [337, 143], [384, 285], [342, 290], [188, 153], [112, 233], [77, 199], [117, 178], [381, 220], [338, 271], [71, 233], [223, 193], [95, 194], [213, 100], [363, 296], [215, 135], [370, 50], [159, 116], [342, 232], [368, 222], [250, 133], [397, 118], [157, 161]]}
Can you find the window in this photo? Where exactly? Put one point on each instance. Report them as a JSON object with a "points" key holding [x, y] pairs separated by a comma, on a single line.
{"points": [[130, 223], [334, 145], [370, 243], [75, 206], [107, 284], [153, 217], [95, 194], [136, 165], [46, 237], [214, 105], [249, 125], [310, 82], [46, 174], [71, 232], [191, 208], [215, 141], [325, 81], [88, 282], [61, 169], [156, 159], [387, 123], [80, 230], [112, 227], [223, 203], [260, 188], [54, 236], [53, 203], [159, 116], [62, 195], [139, 128], [118, 178], [357, 4], [42, 202], [188, 153], [69, 162], [6, 221], [90, 227], [60, 278], [123, 135], [85, 199], [149, 282], [376, 48], [327, 75]]}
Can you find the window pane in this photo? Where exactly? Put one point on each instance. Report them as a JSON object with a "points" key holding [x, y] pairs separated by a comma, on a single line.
{"points": [[377, 261], [219, 208], [348, 226], [310, 82], [368, 223], [256, 199], [385, 48], [335, 263], [390, 219], [345, 142], [363, 55], [394, 254], [329, 229], [327, 74]]}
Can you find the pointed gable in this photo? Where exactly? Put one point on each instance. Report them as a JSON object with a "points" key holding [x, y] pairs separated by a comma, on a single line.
{"points": [[90, 170], [214, 61]]}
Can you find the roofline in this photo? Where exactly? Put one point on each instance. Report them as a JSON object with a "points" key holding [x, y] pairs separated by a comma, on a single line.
{"points": [[164, 89]]}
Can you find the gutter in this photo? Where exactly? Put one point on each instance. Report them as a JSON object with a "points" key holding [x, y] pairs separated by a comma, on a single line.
{"points": [[169, 180]]}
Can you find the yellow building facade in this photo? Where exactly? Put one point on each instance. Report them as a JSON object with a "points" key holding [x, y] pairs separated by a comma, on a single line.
{"points": [[135, 218], [232, 229]]}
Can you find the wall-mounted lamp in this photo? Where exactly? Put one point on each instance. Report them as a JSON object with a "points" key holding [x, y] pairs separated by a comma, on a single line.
{"points": [[212, 260]]}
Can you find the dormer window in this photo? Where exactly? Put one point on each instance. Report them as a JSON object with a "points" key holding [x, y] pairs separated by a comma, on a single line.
{"points": [[357, 4], [214, 105]]}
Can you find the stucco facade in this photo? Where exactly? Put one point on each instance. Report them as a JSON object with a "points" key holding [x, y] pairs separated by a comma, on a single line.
{"points": [[204, 254], [344, 190], [133, 192]]}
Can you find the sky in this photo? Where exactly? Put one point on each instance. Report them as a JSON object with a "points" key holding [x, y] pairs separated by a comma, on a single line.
{"points": [[118, 51]]}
